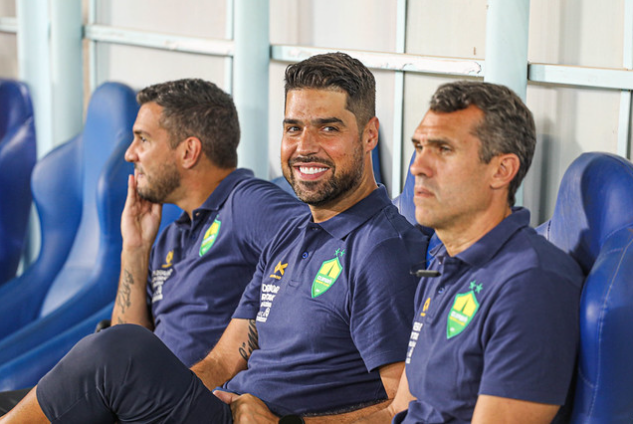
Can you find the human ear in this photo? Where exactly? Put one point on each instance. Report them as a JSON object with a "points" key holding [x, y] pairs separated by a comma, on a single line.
{"points": [[190, 150], [370, 134], [505, 167]]}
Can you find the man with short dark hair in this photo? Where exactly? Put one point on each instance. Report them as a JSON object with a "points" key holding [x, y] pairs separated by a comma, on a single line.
{"points": [[320, 331], [496, 326], [184, 152]]}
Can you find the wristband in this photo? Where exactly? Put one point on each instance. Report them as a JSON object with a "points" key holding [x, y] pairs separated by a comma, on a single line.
{"points": [[291, 419]]}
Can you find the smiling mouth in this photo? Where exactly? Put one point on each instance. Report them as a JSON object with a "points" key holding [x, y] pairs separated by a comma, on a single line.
{"points": [[311, 170]]}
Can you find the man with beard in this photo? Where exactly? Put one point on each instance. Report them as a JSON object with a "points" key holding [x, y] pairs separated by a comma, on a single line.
{"points": [[321, 330], [184, 152]]}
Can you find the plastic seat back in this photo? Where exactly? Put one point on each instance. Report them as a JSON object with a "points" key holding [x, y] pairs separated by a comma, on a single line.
{"points": [[88, 278], [593, 222], [17, 158]]}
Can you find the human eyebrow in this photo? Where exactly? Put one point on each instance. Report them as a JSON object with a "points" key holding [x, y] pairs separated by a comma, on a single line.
{"points": [[140, 133], [328, 121], [432, 141]]}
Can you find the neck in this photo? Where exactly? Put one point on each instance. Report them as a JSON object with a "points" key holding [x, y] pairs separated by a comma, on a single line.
{"points": [[461, 236], [329, 210], [198, 185]]}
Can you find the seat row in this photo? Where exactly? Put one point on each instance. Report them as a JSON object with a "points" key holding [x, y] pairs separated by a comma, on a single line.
{"points": [[79, 192]]}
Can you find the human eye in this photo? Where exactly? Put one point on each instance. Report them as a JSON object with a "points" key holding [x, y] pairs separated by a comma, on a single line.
{"points": [[417, 146], [291, 128], [143, 139], [444, 148]]}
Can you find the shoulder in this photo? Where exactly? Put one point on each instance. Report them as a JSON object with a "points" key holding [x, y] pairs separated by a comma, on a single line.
{"points": [[388, 232], [257, 195], [531, 254]]}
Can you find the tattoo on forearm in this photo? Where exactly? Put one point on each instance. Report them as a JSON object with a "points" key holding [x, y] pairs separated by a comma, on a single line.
{"points": [[253, 341], [125, 290]]}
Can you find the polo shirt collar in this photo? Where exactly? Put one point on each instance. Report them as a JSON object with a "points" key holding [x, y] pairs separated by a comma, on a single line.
{"points": [[216, 199], [340, 225], [484, 249]]}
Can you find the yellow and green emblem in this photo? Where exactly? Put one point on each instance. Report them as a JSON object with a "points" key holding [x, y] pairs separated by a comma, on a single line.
{"points": [[464, 309], [210, 236], [327, 275]]}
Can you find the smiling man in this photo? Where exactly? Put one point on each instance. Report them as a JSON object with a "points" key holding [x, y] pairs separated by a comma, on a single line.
{"points": [[495, 332], [321, 330]]}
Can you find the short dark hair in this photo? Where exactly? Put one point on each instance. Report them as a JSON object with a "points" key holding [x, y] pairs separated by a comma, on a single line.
{"points": [[507, 126], [337, 71], [198, 108]]}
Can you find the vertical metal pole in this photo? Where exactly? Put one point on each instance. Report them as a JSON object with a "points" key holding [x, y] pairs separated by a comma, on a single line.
{"points": [[507, 27], [92, 47], [229, 34], [250, 82], [34, 69], [34, 66], [66, 69], [624, 122], [398, 102]]}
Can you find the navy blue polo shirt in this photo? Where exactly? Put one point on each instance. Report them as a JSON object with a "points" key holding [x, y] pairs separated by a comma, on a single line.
{"points": [[333, 302], [199, 268], [501, 320]]}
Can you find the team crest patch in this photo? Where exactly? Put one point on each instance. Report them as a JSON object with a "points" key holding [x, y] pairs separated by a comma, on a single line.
{"points": [[464, 309], [327, 275], [210, 236]]}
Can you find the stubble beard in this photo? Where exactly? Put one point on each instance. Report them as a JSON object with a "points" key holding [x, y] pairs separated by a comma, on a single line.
{"points": [[320, 193], [158, 188]]}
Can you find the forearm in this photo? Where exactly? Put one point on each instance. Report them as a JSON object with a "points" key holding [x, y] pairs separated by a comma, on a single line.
{"points": [[230, 355], [130, 306], [384, 416]]}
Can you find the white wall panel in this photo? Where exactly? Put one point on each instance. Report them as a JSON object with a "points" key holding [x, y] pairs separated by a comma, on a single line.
{"points": [[140, 67], [8, 44]]}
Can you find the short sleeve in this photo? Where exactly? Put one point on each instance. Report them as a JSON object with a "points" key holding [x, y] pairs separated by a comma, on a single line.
{"points": [[381, 313], [530, 339], [267, 209]]}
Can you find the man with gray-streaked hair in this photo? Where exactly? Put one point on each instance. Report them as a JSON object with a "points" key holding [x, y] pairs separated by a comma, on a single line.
{"points": [[495, 331]]}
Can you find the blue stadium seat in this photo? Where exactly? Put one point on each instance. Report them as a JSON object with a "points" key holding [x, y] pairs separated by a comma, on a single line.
{"points": [[38, 306], [593, 221], [17, 158], [26, 370]]}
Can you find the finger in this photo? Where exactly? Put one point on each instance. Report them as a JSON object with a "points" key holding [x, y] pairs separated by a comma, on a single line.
{"points": [[226, 397], [131, 190]]}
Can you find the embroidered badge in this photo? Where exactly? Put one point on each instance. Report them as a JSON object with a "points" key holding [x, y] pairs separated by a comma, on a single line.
{"points": [[464, 309], [210, 236], [327, 275]]}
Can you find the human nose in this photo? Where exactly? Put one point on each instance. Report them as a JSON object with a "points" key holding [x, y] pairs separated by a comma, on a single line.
{"points": [[307, 143], [421, 164], [130, 153]]}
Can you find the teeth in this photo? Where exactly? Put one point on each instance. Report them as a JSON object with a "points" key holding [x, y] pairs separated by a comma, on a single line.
{"points": [[311, 170]]}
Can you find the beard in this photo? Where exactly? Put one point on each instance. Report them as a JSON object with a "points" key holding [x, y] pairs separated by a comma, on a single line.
{"points": [[341, 182], [161, 185]]}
